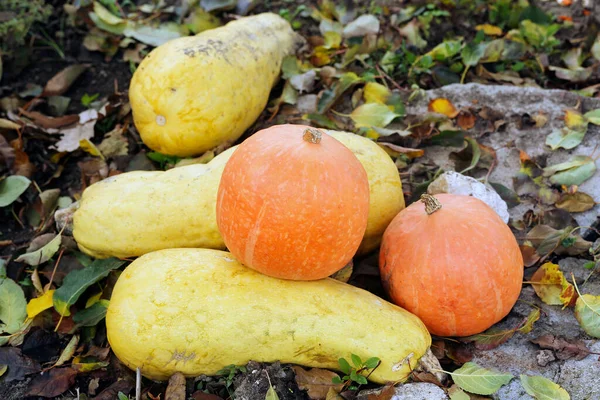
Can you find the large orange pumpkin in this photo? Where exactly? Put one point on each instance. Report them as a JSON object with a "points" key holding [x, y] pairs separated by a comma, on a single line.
{"points": [[453, 262], [293, 203]]}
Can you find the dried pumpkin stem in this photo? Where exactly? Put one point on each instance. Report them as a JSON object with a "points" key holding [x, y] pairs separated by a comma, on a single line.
{"points": [[312, 135], [431, 203]]}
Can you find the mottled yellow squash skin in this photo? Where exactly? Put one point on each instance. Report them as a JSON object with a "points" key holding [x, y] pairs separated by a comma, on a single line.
{"points": [[385, 187], [196, 311], [138, 212], [194, 93]]}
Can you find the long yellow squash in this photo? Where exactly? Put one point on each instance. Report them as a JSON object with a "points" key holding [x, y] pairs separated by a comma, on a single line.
{"points": [[194, 93], [196, 311]]}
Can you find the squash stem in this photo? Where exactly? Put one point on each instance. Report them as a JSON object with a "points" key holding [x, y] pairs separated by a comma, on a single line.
{"points": [[312, 135], [431, 203]]}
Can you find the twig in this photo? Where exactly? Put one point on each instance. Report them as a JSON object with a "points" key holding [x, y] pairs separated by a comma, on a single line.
{"points": [[138, 383]]}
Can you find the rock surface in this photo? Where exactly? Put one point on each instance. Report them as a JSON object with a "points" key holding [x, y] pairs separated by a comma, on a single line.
{"points": [[510, 104], [410, 391], [520, 356]]}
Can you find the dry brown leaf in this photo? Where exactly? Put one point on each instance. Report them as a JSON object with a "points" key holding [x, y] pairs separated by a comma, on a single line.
{"points": [[466, 120], [176, 387], [387, 393], [563, 348], [52, 383], [21, 164], [443, 106], [205, 396], [411, 153], [46, 122], [576, 202], [62, 81], [530, 256], [316, 381]]}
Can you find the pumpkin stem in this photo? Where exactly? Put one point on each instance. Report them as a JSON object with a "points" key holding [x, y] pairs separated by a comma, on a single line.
{"points": [[312, 135], [431, 203]]}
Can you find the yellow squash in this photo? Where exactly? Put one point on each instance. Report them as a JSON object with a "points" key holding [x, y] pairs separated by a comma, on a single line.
{"points": [[196, 311], [194, 93], [385, 187], [138, 212]]}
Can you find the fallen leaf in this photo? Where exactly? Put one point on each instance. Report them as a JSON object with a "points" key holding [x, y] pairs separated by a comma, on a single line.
{"points": [[466, 120], [42, 346], [42, 255], [411, 153], [366, 24], [315, 381], [490, 30], [576, 202], [587, 312], [491, 338], [13, 308], [564, 349], [565, 138], [387, 393], [72, 137], [593, 116], [45, 122], [475, 379], [105, 15], [39, 304], [271, 394], [457, 393], [573, 75], [218, 5], [199, 395], [176, 387], [62, 81], [52, 383], [304, 82], [91, 316], [542, 388], [443, 106], [87, 364], [572, 172], [153, 36], [373, 114], [376, 93], [533, 316], [11, 188], [110, 393], [344, 274], [21, 166], [6, 124], [330, 96], [77, 281], [19, 366], [552, 287], [68, 351]]}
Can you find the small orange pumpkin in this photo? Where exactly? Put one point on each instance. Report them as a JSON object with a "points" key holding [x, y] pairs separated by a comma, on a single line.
{"points": [[452, 262], [293, 203]]}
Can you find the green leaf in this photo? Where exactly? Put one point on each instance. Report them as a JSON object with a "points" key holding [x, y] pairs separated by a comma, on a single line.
{"points": [[344, 366], [336, 380], [92, 315], [330, 96], [476, 154], [575, 175], [11, 188], [100, 23], [542, 388], [271, 394], [456, 393], [289, 67], [151, 35], [445, 50], [448, 138], [565, 138], [372, 362], [43, 254], [475, 379], [361, 379], [593, 116], [122, 396], [13, 307], [587, 312], [373, 114], [76, 282], [472, 53], [105, 15], [356, 361], [353, 375]]}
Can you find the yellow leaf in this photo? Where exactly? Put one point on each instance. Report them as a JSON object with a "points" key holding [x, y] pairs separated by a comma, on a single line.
{"points": [[574, 120], [333, 40], [6, 124], [320, 56], [376, 93], [93, 300], [90, 147], [36, 306], [372, 134], [552, 287], [489, 30], [443, 106]]}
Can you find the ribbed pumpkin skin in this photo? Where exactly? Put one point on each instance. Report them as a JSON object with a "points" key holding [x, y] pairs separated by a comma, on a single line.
{"points": [[292, 209], [459, 269]]}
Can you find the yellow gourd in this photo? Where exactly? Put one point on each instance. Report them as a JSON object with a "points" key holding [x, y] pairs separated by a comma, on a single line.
{"points": [[194, 93], [196, 311]]}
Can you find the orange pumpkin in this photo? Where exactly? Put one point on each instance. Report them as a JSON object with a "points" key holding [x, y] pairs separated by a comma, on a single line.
{"points": [[293, 203], [453, 262]]}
